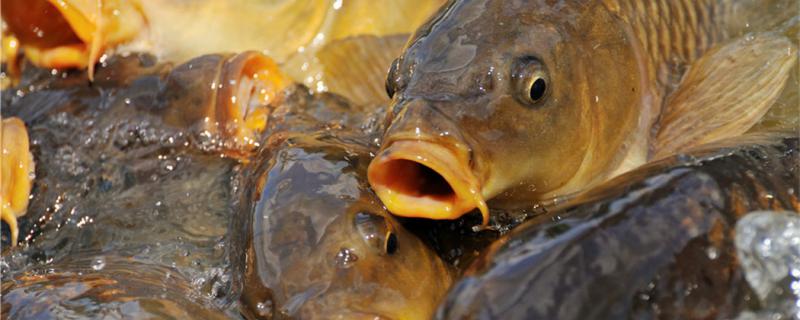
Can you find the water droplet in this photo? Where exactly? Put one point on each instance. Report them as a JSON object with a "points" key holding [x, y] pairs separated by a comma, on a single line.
{"points": [[712, 253], [345, 258], [264, 309], [169, 165], [98, 264]]}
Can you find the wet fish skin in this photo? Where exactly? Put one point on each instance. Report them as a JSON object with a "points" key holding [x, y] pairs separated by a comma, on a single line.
{"points": [[318, 243], [209, 97], [103, 286], [115, 179], [613, 99], [655, 242]]}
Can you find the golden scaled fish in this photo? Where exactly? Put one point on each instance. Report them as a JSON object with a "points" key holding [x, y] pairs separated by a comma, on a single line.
{"points": [[76, 33], [71, 33], [16, 162], [533, 100]]}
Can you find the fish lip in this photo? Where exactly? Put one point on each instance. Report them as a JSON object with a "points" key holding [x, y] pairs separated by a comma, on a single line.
{"points": [[396, 172]]}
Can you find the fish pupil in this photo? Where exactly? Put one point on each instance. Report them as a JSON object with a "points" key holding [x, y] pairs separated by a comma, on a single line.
{"points": [[537, 89], [391, 243], [389, 89]]}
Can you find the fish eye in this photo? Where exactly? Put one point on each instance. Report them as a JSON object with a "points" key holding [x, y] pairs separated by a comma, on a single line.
{"points": [[390, 78], [530, 80], [376, 231]]}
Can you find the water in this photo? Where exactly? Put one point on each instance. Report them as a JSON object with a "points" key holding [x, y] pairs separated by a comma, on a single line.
{"points": [[768, 246]]}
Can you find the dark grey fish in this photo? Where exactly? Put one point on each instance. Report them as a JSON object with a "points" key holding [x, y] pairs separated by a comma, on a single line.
{"points": [[91, 287], [118, 174], [657, 242]]}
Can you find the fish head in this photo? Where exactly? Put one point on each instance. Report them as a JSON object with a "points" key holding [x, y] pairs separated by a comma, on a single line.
{"points": [[504, 98], [379, 270], [323, 245]]}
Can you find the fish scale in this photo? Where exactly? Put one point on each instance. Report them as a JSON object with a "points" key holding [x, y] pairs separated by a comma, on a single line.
{"points": [[672, 33]]}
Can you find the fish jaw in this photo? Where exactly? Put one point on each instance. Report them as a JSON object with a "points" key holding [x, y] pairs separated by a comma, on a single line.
{"points": [[17, 173], [73, 33], [251, 82], [422, 179]]}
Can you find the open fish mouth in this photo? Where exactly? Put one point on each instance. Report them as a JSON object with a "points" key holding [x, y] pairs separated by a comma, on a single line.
{"points": [[422, 179], [250, 82]]}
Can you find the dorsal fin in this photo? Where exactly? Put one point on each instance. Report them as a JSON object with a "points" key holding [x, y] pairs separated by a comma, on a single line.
{"points": [[356, 67]]}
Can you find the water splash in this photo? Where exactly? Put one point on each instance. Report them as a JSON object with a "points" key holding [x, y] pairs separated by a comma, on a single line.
{"points": [[768, 245]]}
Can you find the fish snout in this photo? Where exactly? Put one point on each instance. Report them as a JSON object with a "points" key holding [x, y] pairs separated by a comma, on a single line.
{"points": [[424, 169]]}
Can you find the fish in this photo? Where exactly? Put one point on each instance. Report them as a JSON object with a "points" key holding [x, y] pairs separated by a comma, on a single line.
{"points": [[533, 100], [317, 241], [219, 101], [77, 33], [102, 287], [118, 175], [17, 172], [656, 242], [73, 33]]}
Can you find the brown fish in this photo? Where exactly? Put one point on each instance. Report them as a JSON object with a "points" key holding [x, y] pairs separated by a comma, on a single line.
{"points": [[536, 99], [317, 243]]}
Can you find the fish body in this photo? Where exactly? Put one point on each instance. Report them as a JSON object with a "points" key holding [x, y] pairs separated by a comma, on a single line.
{"points": [[116, 177], [530, 100], [317, 242], [656, 242], [104, 286]]}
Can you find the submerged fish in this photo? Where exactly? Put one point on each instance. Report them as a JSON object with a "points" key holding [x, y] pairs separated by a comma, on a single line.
{"points": [[215, 102], [87, 287], [120, 173], [656, 242], [537, 99], [16, 162], [318, 243]]}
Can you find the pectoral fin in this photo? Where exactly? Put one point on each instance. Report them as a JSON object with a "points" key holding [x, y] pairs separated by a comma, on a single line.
{"points": [[725, 92], [356, 67]]}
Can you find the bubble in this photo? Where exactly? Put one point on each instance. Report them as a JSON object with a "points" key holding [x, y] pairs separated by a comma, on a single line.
{"points": [[264, 309], [345, 258], [712, 253], [98, 263]]}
